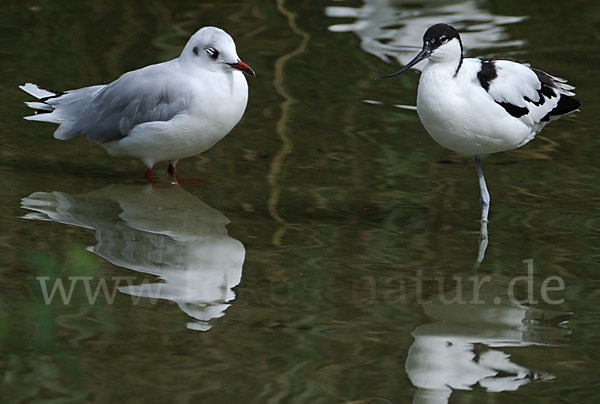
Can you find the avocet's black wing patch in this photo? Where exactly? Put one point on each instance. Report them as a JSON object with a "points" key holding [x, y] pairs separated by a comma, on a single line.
{"points": [[527, 94], [565, 105], [550, 86], [487, 73], [515, 111]]}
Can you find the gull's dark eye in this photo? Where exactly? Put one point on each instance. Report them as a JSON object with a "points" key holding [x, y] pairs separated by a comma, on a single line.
{"points": [[443, 39], [212, 52]]}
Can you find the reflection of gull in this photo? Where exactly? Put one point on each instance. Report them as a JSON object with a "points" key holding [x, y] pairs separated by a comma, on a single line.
{"points": [[166, 232], [387, 29], [459, 348]]}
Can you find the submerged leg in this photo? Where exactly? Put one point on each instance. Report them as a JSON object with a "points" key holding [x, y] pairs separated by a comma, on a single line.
{"points": [[171, 169], [483, 243], [484, 199], [148, 175], [177, 180]]}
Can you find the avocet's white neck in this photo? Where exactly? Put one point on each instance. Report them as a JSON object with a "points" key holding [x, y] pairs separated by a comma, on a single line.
{"points": [[449, 54]]}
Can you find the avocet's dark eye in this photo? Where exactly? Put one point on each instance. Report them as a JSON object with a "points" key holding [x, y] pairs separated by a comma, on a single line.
{"points": [[443, 39], [212, 52]]}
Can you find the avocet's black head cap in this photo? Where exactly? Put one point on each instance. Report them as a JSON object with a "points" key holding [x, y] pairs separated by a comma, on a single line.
{"points": [[439, 34], [436, 36]]}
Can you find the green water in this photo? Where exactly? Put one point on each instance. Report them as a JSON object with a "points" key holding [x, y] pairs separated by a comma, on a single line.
{"points": [[328, 255]]}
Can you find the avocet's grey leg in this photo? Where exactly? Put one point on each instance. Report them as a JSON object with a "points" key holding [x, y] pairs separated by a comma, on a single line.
{"points": [[484, 199], [483, 243]]}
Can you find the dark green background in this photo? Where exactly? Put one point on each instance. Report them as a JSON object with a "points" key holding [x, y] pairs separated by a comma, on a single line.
{"points": [[326, 192]]}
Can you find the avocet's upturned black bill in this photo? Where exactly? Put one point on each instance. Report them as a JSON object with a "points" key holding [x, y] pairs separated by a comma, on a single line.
{"points": [[424, 54], [482, 106], [163, 112]]}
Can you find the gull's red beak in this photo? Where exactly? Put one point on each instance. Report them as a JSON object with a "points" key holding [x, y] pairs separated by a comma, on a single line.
{"points": [[243, 67]]}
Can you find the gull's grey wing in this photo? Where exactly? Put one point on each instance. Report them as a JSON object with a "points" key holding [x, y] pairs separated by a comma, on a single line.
{"points": [[153, 93]]}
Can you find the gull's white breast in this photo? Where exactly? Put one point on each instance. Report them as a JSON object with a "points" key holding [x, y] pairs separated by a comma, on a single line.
{"points": [[218, 103]]}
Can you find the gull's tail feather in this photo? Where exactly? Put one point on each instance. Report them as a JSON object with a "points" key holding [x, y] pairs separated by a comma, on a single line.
{"points": [[37, 92], [41, 106], [61, 107]]}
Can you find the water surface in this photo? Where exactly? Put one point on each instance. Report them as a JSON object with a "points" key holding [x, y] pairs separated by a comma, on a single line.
{"points": [[328, 255]]}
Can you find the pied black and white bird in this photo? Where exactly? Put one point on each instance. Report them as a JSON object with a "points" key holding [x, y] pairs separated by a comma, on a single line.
{"points": [[479, 106], [162, 112]]}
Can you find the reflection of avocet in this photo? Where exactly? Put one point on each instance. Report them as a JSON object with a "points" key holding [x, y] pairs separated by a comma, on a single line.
{"points": [[388, 30], [459, 348], [166, 232]]}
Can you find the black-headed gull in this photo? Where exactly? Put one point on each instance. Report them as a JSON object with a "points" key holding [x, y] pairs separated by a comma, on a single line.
{"points": [[162, 112], [481, 106]]}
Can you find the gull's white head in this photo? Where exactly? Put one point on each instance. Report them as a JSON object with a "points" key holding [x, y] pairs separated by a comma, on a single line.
{"points": [[214, 49]]}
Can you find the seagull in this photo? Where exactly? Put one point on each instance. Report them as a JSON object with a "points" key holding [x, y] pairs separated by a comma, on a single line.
{"points": [[477, 106], [162, 112]]}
